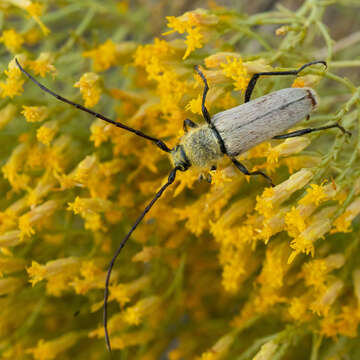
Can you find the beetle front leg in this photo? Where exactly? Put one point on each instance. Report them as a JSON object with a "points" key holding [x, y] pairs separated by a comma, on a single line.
{"points": [[310, 130], [245, 171]]}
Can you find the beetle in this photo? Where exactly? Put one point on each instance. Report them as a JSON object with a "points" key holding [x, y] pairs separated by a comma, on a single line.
{"points": [[228, 133]]}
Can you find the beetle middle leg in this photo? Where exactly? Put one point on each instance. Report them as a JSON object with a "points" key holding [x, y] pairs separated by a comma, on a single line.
{"points": [[245, 171], [310, 130], [205, 112], [188, 123], [254, 78]]}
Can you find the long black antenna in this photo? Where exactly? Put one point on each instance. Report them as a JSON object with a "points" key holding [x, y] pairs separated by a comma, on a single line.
{"points": [[157, 142], [171, 179]]}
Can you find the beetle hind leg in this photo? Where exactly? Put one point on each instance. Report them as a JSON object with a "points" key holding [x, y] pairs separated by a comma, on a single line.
{"points": [[245, 171], [310, 130]]}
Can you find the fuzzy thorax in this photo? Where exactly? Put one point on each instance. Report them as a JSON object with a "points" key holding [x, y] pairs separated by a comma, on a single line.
{"points": [[199, 147]]}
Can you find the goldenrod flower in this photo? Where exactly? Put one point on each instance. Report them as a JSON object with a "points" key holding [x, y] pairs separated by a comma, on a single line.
{"points": [[14, 83], [35, 113], [48, 350], [315, 195], [43, 64], [12, 40], [234, 69], [46, 133], [104, 56], [89, 88], [195, 23]]}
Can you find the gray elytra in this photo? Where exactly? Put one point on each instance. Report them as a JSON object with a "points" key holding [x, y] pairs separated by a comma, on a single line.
{"points": [[245, 126]]}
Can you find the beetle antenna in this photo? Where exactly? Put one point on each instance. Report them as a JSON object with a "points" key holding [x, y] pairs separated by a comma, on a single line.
{"points": [[171, 179], [156, 141]]}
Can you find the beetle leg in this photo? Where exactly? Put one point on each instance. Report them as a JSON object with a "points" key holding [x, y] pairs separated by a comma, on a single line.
{"points": [[206, 89], [310, 130], [255, 77], [205, 112], [188, 123], [245, 171]]}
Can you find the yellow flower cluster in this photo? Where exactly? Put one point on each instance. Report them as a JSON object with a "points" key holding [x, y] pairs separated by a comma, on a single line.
{"points": [[197, 24], [223, 266]]}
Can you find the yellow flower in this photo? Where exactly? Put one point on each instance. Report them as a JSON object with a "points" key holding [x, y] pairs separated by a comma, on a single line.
{"points": [[122, 293], [234, 69], [194, 40], [322, 305], [318, 226], [195, 23], [100, 132], [348, 321], [298, 308], [295, 222], [35, 216], [274, 267], [219, 178], [104, 56], [43, 64], [132, 339], [25, 226], [35, 10], [36, 272], [84, 206], [49, 350], [343, 222], [92, 277], [186, 181], [13, 85], [314, 195], [35, 113], [282, 30], [134, 314], [264, 205], [147, 253], [46, 133], [194, 105], [298, 83], [89, 88], [329, 325], [176, 24], [12, 40], [58, 274], [273, 156]]}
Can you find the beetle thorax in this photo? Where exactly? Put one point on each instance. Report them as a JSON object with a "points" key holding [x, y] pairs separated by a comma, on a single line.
{"points": [[199, 147]]}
